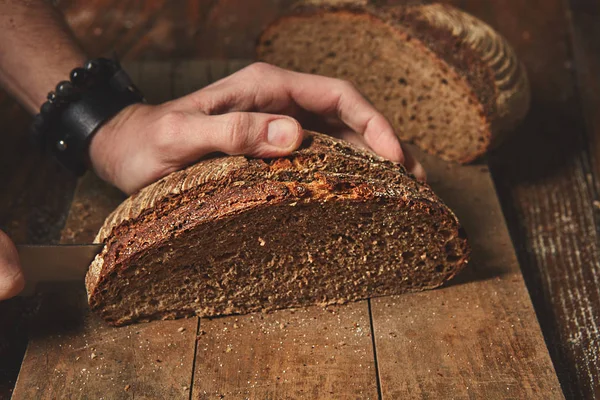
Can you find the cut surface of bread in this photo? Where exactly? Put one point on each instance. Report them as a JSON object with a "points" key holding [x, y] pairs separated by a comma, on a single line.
{"points": [[446, 81], [328, 224]]}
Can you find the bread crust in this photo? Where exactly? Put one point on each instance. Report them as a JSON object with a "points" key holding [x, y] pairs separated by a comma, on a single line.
{"points": [[167, 194], [487, 60], [216, 189], [471, 48]]}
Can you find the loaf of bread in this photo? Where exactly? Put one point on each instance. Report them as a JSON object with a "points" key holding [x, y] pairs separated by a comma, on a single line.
{"points": [[446, 81], [328, 224]]}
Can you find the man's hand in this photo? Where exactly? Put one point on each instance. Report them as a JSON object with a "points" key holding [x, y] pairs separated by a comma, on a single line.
{"points": [[11, 278], [256, 111]]}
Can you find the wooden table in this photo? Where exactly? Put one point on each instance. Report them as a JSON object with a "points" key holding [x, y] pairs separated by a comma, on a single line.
{"points": [[546, 177], [477, 337]]}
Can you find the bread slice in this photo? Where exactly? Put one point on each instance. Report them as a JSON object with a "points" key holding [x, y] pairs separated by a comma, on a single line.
{"points": [[328, 224], [446, 81]]}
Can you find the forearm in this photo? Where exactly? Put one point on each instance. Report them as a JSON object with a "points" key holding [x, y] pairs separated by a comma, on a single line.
{"points": [[37, 50]]}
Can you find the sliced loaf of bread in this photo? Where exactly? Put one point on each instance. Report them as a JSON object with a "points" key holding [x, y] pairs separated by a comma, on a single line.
{"points": [[328, 224], [446, 81]]}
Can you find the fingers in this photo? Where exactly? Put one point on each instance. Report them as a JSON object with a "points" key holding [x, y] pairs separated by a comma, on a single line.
{"points": [[137, 148], [329, 96], [270, 89], [252, 134], [11, 277], [186, 137], [141, 145]]}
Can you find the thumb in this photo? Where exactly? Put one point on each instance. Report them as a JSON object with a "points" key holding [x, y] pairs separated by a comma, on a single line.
{"points": [[252, 134], [11, 277]]}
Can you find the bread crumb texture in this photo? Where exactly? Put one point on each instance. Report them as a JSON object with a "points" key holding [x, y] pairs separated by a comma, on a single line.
{"points": [[445, 80], [326, 225]]}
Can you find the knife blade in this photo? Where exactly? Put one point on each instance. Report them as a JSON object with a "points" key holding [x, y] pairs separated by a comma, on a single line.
{"points": [[59, 263]]}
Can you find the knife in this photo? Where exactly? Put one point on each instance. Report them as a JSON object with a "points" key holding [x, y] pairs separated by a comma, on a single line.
{"points": [[60, 263]]}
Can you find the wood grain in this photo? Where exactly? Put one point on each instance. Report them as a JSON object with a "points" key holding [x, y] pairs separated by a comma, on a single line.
{"points": [[584, 330], [92, 201], [544, 175], [547, 185], [478, 337], [290, 354], [73, 354], [305, 343], [480, 332]]}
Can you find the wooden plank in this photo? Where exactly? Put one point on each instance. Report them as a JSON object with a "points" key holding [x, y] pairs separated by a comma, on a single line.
{"points": [[13, 342], [144, 361], [26, 216], [289, 354], [533, 205], [585, 328], [547, 178], [73, 354], [244, 356], [343, 334], [93, 200], [477, 337]]}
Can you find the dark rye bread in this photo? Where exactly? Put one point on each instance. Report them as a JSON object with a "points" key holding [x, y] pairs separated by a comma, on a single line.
{"points": [[327, 224], [447, 81]]}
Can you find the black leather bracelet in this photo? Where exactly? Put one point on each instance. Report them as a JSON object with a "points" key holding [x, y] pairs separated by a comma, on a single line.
{"points": [[75, 111]]}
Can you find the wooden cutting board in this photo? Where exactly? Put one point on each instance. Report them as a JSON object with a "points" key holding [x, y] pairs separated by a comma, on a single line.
{"points": [[477, 337]]}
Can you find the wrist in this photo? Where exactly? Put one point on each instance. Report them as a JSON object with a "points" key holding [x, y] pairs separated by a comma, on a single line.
{"points": [[78, 108], [107, 144]]}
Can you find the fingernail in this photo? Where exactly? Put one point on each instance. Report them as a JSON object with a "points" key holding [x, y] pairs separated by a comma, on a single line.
{"points": [[282, 133]]}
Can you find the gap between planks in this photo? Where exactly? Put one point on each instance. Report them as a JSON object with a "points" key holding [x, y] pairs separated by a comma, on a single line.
{"points": [[377, 374], [295, 340]]}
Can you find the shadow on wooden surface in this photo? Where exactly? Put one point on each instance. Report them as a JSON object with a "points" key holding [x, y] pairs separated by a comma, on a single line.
{"points": [[58, 309], [13, 342], [531, 171], [74, 354], [540, 147], [484, 326], [536, 209]]}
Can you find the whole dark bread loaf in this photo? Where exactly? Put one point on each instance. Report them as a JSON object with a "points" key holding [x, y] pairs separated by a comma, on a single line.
{"points": [[328, 224], [447, 81]]}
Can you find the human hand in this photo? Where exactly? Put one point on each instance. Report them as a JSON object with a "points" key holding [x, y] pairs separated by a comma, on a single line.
{"points": [[11, 277], [256, 112]]}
